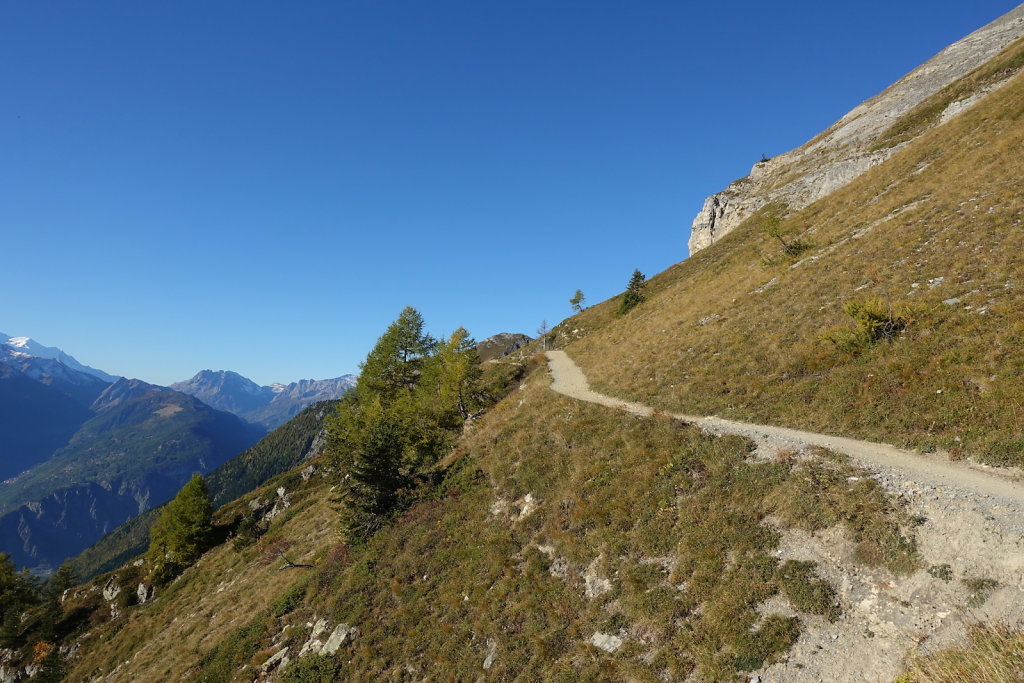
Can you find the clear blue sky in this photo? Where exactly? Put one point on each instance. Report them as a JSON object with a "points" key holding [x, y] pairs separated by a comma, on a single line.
{"points": [[262, 186]]}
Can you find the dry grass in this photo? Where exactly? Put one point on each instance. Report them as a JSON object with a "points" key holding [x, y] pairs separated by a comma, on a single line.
{"points": [[989, 654], [162, 641], [675, 521], [943, 220]]}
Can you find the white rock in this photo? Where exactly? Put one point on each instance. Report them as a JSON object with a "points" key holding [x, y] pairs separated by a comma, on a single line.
{"points": [[279, 658], [492, 651], [606, 641], [337, 638], [844, 151]]}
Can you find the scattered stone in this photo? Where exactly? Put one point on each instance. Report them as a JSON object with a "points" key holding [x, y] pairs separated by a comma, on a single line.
{"points": [[594, 584], [527, 506], [313, 645], [277, 659], [492, 651], [606, 641], [144, 593], [338, 636], [111, 590]]}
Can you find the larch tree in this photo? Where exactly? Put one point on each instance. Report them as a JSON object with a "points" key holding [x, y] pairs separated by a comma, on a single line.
{"points": [[182, 532], [577, 301]]}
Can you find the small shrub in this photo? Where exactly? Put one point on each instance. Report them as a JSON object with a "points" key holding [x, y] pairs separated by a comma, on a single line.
{"points": [[980, 588], [941, 571], [875, 321], [776, 635], [806, 591], [312, 669], [634, 295], [291, 599]]}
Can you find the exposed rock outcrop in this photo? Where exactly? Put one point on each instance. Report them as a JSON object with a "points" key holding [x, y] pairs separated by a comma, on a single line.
{"points": [[845, 151], [500, 345]]}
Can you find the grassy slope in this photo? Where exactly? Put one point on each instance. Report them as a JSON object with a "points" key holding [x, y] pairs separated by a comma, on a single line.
{"points": [[225, 588], [943, 219], [651, 505]]}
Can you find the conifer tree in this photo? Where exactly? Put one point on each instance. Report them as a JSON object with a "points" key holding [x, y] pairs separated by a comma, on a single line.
{"points": [[404, 413], [577, 301], [634, 292], [182, 532], [394, 363], [18, 592]]}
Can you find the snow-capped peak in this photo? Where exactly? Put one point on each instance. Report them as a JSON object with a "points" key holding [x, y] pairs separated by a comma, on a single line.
{"points": [[26, 346]]}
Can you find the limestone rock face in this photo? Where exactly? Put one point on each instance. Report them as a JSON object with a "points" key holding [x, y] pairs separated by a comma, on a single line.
{"points": [[843, 152]]}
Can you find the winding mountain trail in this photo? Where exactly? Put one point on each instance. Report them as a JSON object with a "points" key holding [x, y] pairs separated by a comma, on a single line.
{"points": [[569, 380], [971, 527]]}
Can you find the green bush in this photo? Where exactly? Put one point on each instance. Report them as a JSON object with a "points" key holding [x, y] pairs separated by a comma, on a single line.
{"points": [[291, 599], [875, 321], [312, 669]]}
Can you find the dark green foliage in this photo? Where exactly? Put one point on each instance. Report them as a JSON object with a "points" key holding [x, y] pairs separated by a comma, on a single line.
{"points": [[182, 533], [634, 292], [278, 452], [405, 412], [220, 664], [291, 599], [18, 592], [312, 669], [775, 636], [806, 592], [980, 588], [51, 668]]}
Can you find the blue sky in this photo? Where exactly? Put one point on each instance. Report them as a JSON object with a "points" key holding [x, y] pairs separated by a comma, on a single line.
{"points": [[263, 186]]}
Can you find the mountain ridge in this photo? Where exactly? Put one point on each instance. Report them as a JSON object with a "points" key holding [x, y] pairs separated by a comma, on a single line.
{"points": [[849, 147], [269, 406]]}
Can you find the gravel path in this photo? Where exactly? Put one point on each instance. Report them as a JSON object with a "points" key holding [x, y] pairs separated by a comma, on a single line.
{"points": [[569, 380], [972, 526]]}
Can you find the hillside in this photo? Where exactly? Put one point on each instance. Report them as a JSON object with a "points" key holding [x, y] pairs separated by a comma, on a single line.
{"points": [[140, 445], [291, 444], [638, 504]]}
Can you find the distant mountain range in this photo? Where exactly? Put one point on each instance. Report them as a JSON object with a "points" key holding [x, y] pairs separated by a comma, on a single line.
{"points": [[82, 450], [268, 406]]}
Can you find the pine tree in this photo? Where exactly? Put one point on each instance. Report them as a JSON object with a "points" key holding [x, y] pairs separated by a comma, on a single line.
{"points": [[182, 532], [394, 363], [634, 292], [375, 472], [577, 301], [18, 592]]}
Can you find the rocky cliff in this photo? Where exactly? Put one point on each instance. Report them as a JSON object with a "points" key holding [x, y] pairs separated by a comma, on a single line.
{"points": [[865, 137]]}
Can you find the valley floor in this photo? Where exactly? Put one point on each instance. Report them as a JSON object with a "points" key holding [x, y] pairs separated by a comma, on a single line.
{"points": [[971, 538]]}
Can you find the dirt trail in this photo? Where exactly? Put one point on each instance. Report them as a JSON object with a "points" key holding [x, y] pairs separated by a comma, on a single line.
{"points": [[972, 527], [569, 380]]}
